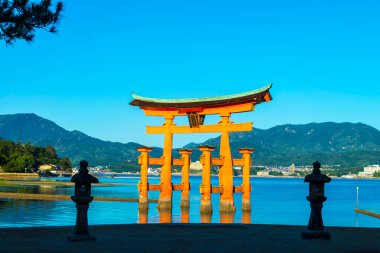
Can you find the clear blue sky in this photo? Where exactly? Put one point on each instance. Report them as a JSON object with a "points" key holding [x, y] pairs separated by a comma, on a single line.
{"points": [[322, 56]]}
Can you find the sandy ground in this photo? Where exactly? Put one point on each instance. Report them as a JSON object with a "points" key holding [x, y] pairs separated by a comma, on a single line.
{"points": [[189, 238]]}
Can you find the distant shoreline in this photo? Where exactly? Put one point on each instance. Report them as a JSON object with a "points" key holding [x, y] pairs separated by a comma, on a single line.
{"points": [[251, 176], [117, 174]]}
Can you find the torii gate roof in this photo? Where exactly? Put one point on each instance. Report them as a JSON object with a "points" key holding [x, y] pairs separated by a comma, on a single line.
{"points": [[255, 96]]}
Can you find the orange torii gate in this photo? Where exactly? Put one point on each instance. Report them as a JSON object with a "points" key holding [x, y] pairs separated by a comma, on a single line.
{"points": [[196, 109]]}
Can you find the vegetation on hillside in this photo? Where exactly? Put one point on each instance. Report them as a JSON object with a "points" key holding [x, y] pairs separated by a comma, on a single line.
{"points": [[18, 157], [28, 127], [345, 144], [131, 167]]}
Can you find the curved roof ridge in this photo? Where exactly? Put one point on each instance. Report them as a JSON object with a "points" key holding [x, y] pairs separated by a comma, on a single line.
{"points": [[205, 99]]}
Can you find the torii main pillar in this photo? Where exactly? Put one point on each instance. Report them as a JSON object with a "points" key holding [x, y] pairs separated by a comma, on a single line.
{"points": [[226, 174], [196, 109], [165, 199]]}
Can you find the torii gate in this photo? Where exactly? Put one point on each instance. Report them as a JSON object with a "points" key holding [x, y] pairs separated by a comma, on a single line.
{"points": [[196, 109]]}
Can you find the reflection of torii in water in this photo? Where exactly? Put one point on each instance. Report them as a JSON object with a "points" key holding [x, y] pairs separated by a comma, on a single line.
{"points": [[196, 109]]}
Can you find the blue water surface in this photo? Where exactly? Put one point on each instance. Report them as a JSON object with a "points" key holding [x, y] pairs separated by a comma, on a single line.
{"points": [[274, 201]]}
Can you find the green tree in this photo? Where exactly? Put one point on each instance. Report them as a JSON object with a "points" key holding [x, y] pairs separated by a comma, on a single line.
{"points": [[19, 157], [376, 174], [19, 19], [254, 170], [50, 153], [65, 163], [275, 173], [19, 163]]}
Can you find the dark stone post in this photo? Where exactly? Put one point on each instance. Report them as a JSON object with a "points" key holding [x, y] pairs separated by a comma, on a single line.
{"points": [[82, 197], [316, 180]]}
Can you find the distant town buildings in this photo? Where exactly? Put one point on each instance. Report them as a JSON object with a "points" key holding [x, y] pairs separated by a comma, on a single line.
{"points": [[369, 171], [154, 171], [292, 169], [196, 166], [263, 173]]}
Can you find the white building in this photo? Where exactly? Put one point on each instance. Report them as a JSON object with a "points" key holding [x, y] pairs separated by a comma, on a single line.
{"points": [[262, 173], [372, 168], [369, 170], [292, 169], [196, 165]]}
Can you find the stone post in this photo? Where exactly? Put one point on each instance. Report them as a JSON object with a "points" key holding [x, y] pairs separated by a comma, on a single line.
{"points": [[315, 228], [82, 197]]}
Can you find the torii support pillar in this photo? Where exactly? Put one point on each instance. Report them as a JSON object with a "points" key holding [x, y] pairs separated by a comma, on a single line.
{"points": [[143, 184], [226, 180], [185, 177], [165, 199], [205, 187], [143, 216], [246, 185]]}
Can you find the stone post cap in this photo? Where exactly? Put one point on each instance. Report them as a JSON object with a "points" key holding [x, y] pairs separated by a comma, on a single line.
{"points": [[84, 179], [317, 178]]}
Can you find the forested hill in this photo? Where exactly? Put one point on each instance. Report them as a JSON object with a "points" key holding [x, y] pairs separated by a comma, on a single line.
{"points": [[18, 157], [73, 144], [346, 144]]}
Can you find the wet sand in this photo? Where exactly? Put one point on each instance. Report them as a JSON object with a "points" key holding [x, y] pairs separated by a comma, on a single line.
{"points": [[192, 238]]}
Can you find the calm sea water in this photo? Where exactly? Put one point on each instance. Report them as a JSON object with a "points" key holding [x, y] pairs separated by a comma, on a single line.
{"points": [[274, 201]]}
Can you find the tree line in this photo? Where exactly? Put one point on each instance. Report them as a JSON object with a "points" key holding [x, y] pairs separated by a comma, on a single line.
{"points": [[18, 157]]}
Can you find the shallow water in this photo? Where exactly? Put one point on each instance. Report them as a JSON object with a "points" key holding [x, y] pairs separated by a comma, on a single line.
{"points": [[274, 201]]}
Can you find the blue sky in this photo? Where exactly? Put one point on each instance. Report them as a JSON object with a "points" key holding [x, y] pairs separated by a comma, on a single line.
{"points": [[323, 58]]}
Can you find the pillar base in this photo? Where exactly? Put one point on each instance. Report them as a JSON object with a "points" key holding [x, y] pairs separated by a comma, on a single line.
{"points": [[185, 203], [312, 234], [165, 216], [143, 204], [246, 205], [246, 217], [77, 237], [206, 217], [227, 206], [206, 207], [143, 216], [184, 215], [226, 217], [164, 204]]}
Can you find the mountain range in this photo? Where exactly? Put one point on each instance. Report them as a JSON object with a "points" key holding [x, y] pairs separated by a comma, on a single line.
{"points": [[76, 145], [345, 144]]}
